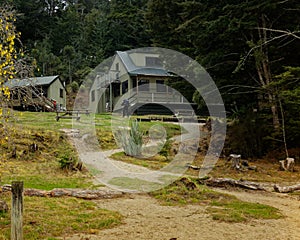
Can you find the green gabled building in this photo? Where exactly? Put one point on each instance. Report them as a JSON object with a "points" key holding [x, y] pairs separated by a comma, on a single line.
{"points": [[38, 93], [139, 77]]}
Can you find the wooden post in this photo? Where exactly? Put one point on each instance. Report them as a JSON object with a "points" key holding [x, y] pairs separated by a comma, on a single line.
{"points": [[17, 211]]}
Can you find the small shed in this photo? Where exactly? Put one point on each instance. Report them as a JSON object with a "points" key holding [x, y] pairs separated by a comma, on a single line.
{"points": [[39, 92]]}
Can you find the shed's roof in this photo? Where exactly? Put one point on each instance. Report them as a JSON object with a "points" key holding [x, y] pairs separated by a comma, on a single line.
{"points": [[36, 81]]}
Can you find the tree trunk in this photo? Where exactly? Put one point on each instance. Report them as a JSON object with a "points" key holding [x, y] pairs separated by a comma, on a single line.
{"points": [[263, 69]]}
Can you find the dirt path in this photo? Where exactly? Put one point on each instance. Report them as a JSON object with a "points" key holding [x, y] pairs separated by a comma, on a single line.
{"points": [[146, 219]]}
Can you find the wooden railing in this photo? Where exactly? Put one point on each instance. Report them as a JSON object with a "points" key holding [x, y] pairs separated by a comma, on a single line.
{"points": [[159, 97]]}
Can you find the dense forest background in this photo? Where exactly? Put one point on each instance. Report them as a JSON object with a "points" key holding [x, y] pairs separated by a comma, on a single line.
{"points": [[250, 48]]}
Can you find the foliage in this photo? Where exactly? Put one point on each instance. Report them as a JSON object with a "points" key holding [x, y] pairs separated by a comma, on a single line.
{"points": [[74, 87], [247, 136], [8, 54], [66, 162], [244, 46], [166, 148]]}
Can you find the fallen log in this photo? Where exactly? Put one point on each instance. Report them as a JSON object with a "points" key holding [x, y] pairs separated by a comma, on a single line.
{"points": [[68, 192], [286, 189], [228, 182]]}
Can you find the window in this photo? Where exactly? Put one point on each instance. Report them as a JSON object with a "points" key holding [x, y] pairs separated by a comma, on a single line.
{"points": [[160, 86], [153, 62], [125, 87], [93, 96], [61, 93], [117, 67], [144, 85]]}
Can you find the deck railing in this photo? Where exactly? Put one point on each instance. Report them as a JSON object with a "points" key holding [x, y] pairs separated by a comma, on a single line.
{"points": [[159, 97]]}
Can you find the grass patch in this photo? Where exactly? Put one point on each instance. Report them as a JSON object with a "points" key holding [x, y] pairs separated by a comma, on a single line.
{"points": [[156, 162], [57, 217], [222, 207], [134, 184], [237, 211], [187, 191]]}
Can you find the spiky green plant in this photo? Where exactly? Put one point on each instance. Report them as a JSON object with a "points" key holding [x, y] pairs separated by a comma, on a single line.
{"points": [[132, 140]]}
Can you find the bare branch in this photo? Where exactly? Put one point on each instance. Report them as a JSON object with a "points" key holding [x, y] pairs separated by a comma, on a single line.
{"points": [[286, 33]]}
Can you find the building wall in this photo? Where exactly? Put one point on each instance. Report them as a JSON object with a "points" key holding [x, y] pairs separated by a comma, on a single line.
{"points": [[139, 59], [54, 92]]}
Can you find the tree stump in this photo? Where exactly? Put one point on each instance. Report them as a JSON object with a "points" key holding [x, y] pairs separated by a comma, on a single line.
{"points": [[287, 165], [235, 161]]}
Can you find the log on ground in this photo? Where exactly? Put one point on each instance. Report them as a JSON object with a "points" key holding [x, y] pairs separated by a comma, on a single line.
{"points": [[228, 182], [68, 192], [286, 189]]}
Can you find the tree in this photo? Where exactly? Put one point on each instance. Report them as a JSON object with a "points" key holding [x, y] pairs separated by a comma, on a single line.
{"points": [[287, 88], [69, 54], [8, 58], [9, 55]]}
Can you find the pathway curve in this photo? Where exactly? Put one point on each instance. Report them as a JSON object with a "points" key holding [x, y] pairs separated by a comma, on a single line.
{"points": [[128, 177]]}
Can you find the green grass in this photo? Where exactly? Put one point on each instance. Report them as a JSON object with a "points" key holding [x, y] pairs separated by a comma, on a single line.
{"points": [[41, 169], [134, 184], [57, 217], [237, 211], [221, 207], [102, 123], [156, 162], [179, 193]]}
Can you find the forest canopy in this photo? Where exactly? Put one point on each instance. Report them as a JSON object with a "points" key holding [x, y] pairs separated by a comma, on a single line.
{"points": [[250, 48]]}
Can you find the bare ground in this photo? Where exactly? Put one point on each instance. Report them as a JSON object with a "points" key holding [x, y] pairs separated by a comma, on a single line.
{"points": [[145, 219]]}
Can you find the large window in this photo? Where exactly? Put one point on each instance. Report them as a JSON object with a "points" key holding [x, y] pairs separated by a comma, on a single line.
{"points": [[153, 62], [160, 86], [144, 85]]}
